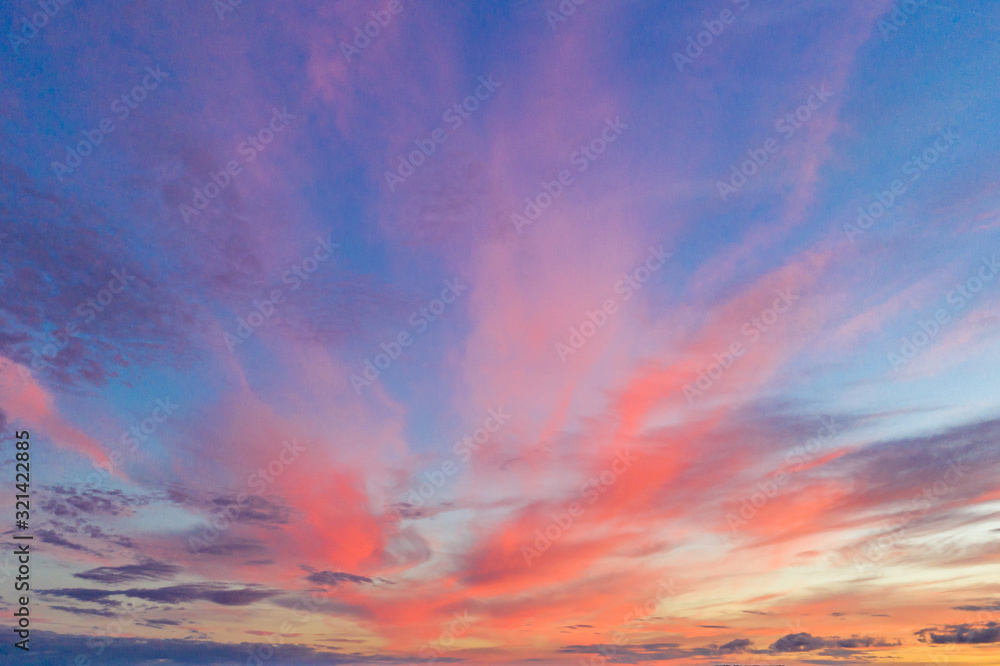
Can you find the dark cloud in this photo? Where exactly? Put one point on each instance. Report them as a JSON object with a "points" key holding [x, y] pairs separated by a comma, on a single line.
{"points": [[52, 648], [899, 469], [80, 593], [53, 538], [176, 594], [804, 642], [67, 502], [215, 593], [657, 651], [70, 511], [801, 642], [631, 653], [59, 252], [232, 547], [738, 645], [856, 642], [148, 570], [102, 612], [990, 607], [963, 633], [406, 510], [325, 604], [254, 509], [96, 532], [334, 578]]}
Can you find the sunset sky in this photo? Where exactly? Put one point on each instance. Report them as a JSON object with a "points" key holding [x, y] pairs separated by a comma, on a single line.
{"points": [[528, 332]]}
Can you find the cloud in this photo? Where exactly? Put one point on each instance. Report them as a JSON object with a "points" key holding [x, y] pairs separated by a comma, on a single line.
{"points": [[738, 645], [50, 537], [991, 607], [631, 653], [86, 611], [214, 592], [801, 642], [232, 547], [67, 502], [80, 594], [658, 651], [964, 633], [805, 642], [54, 240], [149, 570], [254, 509], [63, 648], [334, 578]]}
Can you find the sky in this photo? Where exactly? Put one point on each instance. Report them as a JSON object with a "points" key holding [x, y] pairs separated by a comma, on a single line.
{"points": [[502, 332]]}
